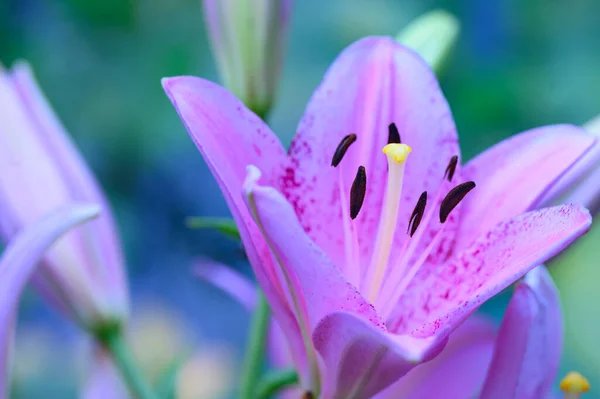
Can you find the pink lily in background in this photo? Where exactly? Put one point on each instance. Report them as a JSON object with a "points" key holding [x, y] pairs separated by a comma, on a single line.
{"points": [[104, 382], [370, 261], [41, 170], [19, 260]]}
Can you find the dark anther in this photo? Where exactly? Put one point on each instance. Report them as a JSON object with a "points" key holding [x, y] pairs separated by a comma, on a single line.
{"points": [[451, 168], [393, 134], [357, 191], [341, 149], [417, 214], [308, 395], [453, 198]]}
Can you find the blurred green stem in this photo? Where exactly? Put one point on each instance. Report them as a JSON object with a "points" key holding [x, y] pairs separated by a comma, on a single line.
{"points": [[262, 113], [275, 381], [123, 358], [255, 349]]}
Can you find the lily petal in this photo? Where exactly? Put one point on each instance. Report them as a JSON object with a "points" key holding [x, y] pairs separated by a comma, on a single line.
{"points": [[312, 285], [307, 273], [361, 360], [529, 342], [372, 83], [19, 261], [458, 372], [438, 301], [230, 137], [104, 382], [514, 175], [229, 281], [245, 292]]}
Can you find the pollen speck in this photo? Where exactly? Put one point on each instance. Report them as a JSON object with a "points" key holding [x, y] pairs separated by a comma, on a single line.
{"points": [[574, 382]]}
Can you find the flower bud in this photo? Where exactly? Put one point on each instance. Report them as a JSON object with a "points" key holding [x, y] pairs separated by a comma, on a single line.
{"points": [[432, 35], [40, 171], [247, 39]]}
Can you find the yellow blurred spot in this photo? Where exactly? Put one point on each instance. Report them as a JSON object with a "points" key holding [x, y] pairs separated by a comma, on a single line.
{"points": [[397, 152], [208, 374], [574, 382]]}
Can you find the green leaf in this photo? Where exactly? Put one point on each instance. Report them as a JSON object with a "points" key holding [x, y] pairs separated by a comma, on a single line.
{"points": [[274, 381], [225, 226]]}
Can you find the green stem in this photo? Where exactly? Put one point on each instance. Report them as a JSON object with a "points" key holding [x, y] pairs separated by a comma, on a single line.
{"points": [[255, 349], [262, 113], [123, 358], [275, 381]]}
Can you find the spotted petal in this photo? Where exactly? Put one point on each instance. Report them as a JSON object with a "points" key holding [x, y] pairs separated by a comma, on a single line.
{"points": [[372, 83], [529, 342], [230, 137], [457, 372], [312, 285], [306, 271], [514, 175], [437, 301], [361, 360]]}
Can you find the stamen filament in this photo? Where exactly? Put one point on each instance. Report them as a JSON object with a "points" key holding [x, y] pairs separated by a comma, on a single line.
{"points": [[351, 266], [408, 249], [409, 274], [396, 154]]}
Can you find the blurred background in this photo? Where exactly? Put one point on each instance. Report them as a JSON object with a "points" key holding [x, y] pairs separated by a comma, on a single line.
{"points": [[517, 65]]}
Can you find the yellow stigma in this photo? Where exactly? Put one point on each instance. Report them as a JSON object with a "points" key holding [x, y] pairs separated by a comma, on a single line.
{"points": [[574, 383], [397, 152]]}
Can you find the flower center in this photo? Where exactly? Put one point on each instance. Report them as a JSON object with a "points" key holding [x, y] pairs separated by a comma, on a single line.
{"points": [[386, 293]]}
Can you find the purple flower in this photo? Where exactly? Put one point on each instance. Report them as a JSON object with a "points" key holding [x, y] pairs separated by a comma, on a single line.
{"points": [[518, 361], [41, 170], [247, 39], [19, 260], [371, 263]]}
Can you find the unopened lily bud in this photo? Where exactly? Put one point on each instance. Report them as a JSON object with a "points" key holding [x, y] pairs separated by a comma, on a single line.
{"points": [[432, 35], [40, 171], [247, 38]]}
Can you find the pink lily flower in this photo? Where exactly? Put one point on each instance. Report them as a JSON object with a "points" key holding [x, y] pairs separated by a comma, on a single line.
{"points": [[364, 283], [19, 260], [518, 361], [41, 170]]}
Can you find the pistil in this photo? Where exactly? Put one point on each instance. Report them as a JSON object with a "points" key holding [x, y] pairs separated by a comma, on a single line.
{"points": [[397, 155]]}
